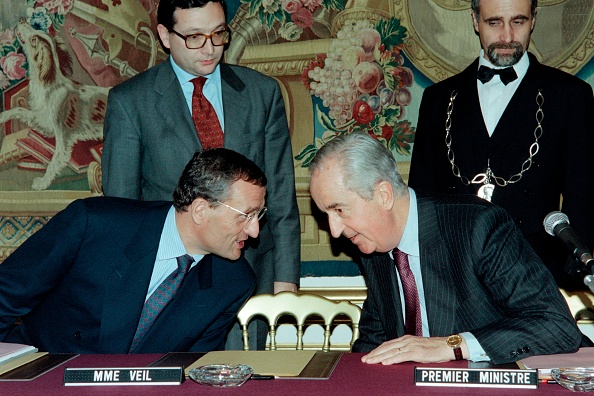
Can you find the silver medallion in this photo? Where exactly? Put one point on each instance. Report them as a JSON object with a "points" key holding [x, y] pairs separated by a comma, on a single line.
{"points": [[486, 191]]}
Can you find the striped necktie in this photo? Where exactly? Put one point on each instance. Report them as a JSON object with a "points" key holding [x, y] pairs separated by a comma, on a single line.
{"points": [[412, 306], [160, 298]]}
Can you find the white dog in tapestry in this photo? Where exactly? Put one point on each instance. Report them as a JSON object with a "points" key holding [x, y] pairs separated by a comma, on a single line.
{"points": [[58, 107]]}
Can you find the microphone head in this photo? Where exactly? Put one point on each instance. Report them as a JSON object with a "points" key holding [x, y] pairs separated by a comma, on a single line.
{"points": [[553, 219]]}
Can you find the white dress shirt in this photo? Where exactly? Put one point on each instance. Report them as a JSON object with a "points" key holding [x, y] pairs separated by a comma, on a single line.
{"points": [[494, 96]]}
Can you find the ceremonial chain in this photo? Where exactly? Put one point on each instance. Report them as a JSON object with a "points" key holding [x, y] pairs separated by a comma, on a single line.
{"points": [[486, 190]]}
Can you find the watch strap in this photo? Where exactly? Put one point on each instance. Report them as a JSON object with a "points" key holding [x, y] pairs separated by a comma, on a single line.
{"points": [[458, 353]]}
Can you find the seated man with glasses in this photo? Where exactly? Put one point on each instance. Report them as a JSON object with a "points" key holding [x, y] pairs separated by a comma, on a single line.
{"points": [[114, 275], [157, 119]]}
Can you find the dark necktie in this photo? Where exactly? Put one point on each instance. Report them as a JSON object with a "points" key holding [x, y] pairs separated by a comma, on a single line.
{"points": [[507, 74], [161, 297], [205, 118], [412, 306]]}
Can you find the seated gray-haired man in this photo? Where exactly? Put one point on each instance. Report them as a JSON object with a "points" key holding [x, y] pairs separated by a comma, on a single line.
{"points": [[448, 277]]}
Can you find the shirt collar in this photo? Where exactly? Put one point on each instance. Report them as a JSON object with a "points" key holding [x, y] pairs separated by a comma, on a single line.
{"points": [[184, 77], [409, 243], [170, 244]]}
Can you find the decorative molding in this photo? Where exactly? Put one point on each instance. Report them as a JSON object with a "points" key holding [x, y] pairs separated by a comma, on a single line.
{"points": [[284, 59], [357, 14], [566, 43], [37, 203], [15, 230], [355, 295], [22, 213]]}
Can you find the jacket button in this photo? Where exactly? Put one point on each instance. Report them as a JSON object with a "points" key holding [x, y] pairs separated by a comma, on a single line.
{"points": [[526, 349], [78, 335]]}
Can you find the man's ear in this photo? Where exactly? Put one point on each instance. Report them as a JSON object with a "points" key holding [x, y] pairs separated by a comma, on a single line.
{"points": [[163, 35], [199, 210], [386, 194], [475, 21]]}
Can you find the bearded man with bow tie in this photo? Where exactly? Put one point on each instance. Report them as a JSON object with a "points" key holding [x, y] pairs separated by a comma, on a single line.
{"points": [[514, 132]]}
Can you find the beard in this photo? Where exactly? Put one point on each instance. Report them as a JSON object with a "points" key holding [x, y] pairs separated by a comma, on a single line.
{"points": [[505, 60]]}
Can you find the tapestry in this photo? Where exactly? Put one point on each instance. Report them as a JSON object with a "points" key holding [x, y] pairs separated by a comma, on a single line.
{"points": [[342, 65]]}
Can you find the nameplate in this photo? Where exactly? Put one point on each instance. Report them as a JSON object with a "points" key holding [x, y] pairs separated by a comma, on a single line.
{"points": [[478, 378], [123, 376]]}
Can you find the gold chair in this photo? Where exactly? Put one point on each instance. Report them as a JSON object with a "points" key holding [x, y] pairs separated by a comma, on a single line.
{"points": [[300, 306]]}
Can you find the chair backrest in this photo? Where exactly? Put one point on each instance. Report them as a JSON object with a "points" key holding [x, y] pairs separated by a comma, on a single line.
{"points": [[300, 306]]}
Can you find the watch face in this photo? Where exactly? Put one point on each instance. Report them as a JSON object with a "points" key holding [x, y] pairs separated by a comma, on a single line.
{"points": [[454, 340]]}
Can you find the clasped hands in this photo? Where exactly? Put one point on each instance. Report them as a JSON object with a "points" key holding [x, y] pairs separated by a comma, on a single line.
{"points": [[413, 349]]}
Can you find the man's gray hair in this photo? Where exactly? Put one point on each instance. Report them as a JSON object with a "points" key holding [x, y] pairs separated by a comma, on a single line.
{"points": [[475, 5], [364, 162]]}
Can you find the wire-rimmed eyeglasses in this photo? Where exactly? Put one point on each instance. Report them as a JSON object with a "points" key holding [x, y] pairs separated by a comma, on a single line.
{"points": [[197, 40], [247, 217]]}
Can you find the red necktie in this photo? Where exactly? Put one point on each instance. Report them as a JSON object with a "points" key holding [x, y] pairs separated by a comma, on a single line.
{"points": [[205, 118], [161, 297], [412, 307]]}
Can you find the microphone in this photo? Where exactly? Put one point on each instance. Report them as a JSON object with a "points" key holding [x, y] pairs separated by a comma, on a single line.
{"points": [[557, 224]]}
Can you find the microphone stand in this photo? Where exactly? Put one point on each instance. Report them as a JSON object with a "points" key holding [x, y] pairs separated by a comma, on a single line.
{"points": [[588, 264], [589, 281]]}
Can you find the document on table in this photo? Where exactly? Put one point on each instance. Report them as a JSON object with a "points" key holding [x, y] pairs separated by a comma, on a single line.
{"points": [[277, 363], [584, 357], [10, 351]]}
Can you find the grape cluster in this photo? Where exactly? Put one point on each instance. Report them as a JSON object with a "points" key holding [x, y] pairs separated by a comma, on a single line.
{"points": [[334, 83]]}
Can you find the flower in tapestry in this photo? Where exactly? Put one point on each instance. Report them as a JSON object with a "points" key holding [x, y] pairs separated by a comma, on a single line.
{"points": [[45, 15], [293, 16], [362, 85]]}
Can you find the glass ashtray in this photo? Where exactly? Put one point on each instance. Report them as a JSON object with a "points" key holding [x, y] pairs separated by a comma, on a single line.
{"points": [[578, 379], [222, 375]]}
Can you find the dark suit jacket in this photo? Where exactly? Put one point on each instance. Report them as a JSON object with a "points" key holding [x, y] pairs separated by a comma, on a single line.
{"points": [[479, 275], [563, 164], [150, 137], [80, 282]]}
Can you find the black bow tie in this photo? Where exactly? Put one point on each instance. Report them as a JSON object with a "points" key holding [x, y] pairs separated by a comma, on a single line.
{"points": [[507, 74]]}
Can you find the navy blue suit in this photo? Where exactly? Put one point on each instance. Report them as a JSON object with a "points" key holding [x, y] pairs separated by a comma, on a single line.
{"points": [[79, 285]]}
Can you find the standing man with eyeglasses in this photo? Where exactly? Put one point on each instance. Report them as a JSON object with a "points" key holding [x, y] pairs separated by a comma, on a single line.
{"points": [[156, 120], [114, 275], [513, 131]]}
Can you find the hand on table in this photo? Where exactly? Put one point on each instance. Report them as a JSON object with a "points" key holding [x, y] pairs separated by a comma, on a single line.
{"points": [[413, 349], [284, 286]]}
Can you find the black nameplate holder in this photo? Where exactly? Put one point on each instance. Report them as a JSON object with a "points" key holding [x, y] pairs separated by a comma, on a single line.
{"points": [[123, 376], [477, 378]]}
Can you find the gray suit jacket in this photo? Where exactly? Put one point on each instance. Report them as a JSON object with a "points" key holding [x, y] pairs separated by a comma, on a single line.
{"points": [[150, 137], [479, 275]]}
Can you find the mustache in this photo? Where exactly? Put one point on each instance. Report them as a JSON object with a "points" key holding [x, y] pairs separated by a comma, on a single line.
{"points": [[500, 45]]}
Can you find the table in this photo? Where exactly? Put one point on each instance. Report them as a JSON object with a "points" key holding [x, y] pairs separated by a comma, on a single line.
{"points": [[351, 377]]}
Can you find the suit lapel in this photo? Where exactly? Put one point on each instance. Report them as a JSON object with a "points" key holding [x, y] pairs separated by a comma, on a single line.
{"points": [[470, 138], [389, 293], [236, 108], [126, 289], [523, 102], [178, 119], [438, 282]]}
